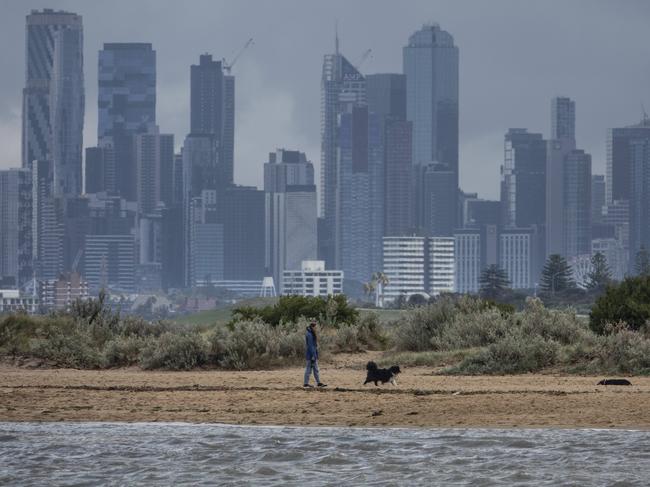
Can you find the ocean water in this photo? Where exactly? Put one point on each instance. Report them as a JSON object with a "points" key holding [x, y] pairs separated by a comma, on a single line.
{"points": [[210, 454]]}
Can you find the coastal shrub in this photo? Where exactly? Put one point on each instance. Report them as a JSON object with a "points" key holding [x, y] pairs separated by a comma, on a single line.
{"points": [[562, 326], [347, 339], [514, 354], [254, 344], [474, 328], [15, 333], [67, 347], [371, 333], [123, 351], [419, 326], [625, 351], [174, 352]]}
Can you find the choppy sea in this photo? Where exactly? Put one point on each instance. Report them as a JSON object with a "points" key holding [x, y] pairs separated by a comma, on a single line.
{"points": [[211, 454]]}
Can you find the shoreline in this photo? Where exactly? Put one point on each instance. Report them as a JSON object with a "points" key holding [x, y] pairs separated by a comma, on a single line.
{"points": [[275, 398], [325, 427]]}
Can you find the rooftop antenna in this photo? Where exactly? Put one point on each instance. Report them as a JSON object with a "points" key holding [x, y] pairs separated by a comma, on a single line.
{"points": [[336, 36]]}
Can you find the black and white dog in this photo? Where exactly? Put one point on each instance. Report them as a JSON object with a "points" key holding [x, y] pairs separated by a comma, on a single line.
{"points": [[375, 374]]}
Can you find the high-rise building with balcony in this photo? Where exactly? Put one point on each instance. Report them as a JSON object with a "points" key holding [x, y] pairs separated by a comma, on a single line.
{"points": [[53, 98]]}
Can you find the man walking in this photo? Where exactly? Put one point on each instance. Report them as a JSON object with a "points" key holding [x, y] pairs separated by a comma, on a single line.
{"points": [[311, 354]]}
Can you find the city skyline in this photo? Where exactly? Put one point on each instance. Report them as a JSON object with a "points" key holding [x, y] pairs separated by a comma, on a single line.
{"points": [[279, 108]]}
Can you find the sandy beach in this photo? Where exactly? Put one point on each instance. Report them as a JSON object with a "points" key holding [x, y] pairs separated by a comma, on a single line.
{"points": [[275, 397]]}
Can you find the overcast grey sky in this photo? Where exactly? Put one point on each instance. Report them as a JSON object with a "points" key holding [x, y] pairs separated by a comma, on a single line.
{"points": [[514, 56]]}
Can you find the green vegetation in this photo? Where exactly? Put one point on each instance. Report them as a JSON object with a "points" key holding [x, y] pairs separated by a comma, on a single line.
{"points": [[330, 311], [600, 276], [457, 335], [91, 336], [487, 340], [493, 281], [628, 302], [222, 314], [556, 275]]}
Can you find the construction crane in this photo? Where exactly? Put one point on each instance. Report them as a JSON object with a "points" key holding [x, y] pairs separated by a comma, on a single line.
{"points": [[227, 66], [364, 57]]}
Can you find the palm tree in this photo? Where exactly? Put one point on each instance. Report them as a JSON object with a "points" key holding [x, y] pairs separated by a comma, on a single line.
{"points": [[380, 279]]}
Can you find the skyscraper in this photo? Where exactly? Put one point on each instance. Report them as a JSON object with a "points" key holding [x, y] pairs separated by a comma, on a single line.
{"points": [[212, 111], [53, 98], [291, 212], [127, 88], [598, 197], [127, 105], [568, 186], [437, 204], [359, 224], [639, 198], [16, 225], [387, 99], [47, 224], [619, 166], [431, 69], [563, 118], [523, 177], [342, 86], [154, 157]]}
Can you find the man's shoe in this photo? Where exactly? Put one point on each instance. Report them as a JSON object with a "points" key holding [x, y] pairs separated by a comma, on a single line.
{"points": [[320, 384], [307, 386]]}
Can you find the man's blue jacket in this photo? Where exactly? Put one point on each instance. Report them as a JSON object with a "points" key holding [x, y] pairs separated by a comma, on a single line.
{"points": [[311, 350]]}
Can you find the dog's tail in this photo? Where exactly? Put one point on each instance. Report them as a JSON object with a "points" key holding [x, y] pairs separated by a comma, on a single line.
{"points": [[371, 366]]}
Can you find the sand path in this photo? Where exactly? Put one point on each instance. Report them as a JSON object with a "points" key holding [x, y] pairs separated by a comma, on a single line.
{"points": [[275, 397]]}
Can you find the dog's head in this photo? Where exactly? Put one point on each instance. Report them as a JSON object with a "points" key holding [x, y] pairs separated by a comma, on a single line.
{"points": [[395, 370]]}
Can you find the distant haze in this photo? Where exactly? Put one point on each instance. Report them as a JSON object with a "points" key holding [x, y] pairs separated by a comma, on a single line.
{"points": [[514, 56]]}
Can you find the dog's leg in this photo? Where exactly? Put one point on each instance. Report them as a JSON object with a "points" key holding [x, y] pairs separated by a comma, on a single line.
{"points": [[392, 381], [375, 383]]}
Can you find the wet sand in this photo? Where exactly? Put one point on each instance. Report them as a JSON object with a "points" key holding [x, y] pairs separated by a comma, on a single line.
{"points": [[275, 397]]}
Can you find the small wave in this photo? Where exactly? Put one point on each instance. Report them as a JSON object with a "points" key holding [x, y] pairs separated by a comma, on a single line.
{"points": [[166, 454]]}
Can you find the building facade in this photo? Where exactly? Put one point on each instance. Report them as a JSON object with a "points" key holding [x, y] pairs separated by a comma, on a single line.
{"points": [[516, 256], [126, 106], [212, 109], [468, 260], [360, 194], [110, 262], [418, 265], [291, 212], [342, 87], [312, 279], [523, 179], [16, 221], [619, 162], [53, 98], [59, 294]]}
